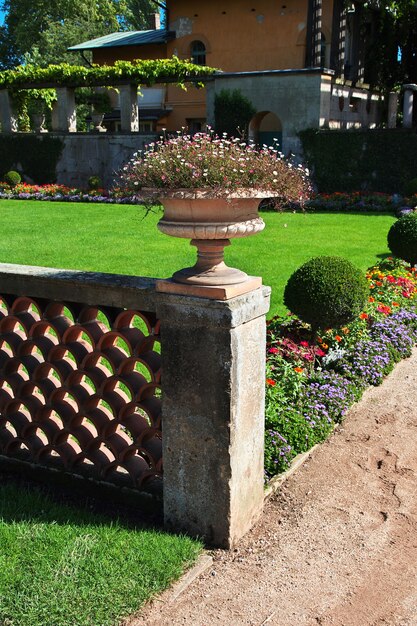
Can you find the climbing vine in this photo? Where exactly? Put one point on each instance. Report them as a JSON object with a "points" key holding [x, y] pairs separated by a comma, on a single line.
{"points": [[140, 71]]}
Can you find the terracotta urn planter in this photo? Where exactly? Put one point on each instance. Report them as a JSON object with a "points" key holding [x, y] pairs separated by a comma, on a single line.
{"points": [[210, 222], [38, 122], [97, 120]]}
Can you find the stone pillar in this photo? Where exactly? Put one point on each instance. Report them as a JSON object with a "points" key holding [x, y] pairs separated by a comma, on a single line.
{"points": [[338, 42], [64, 118], [392, 109], [314, 36], [7, 117], [129, 111], [213, 363], [317, 34], [408, 105]]}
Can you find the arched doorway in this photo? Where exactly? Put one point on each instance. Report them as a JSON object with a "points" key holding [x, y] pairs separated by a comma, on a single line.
{"points": [[265, 128]]}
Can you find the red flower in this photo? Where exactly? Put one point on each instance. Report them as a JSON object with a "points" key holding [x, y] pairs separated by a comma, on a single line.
{"points": [[338, 338], [383, 308], [320, 352], [270, 382], [304, 344], [273, 350], [364, 316]]}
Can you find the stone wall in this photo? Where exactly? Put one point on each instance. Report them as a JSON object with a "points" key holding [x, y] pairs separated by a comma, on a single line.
{"points": [[293, 96], [300, 99], [88, 154]]}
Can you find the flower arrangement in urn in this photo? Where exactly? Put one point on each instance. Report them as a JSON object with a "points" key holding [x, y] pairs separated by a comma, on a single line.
{"points": [[210, 188]]}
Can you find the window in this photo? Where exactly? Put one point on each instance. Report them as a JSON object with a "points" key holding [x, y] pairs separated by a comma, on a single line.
{"points": [[196, 125], [198, 53], [323, 51], [146, 126]]}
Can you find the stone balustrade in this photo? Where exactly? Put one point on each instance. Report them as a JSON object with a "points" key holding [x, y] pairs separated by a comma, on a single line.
{"points": [[64, 118], [81, 357], [408, 105]]}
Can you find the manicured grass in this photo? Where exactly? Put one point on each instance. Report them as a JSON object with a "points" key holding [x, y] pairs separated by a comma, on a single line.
{"points": [[65, 566], [118, 238]]}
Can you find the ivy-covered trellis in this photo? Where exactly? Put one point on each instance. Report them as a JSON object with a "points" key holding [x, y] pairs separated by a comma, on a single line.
{"points": [[30, 85]]}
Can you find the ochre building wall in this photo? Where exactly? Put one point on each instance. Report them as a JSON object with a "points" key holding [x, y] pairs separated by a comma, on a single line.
{"points": [[239, 35]]}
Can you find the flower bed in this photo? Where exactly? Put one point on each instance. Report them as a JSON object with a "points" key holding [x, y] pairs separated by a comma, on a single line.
{"points": [[357, 202], [311, 384], [61, 193]]}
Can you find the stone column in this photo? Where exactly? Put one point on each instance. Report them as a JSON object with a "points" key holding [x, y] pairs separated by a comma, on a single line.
{"points": [[392, 109], [408, 105], [314, 37], [317, 34], [337, 49], [7, 116], [213, 363], [129, 111], [64, 118]]}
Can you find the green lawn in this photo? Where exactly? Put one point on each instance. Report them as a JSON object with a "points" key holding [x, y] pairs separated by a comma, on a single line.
{"points": [[62, 565], [118, 238]]}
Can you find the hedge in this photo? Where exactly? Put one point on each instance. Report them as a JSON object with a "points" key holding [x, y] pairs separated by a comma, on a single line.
{"points": [[36, 157], [355, 160]]}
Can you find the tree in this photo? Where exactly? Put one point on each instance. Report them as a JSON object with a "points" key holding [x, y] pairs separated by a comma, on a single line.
{"points": [[232, 112], [392, 49], [40, 31], [137, 13]]}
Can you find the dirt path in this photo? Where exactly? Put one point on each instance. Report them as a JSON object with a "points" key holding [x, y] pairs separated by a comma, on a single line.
{"points": [[338, 544]]}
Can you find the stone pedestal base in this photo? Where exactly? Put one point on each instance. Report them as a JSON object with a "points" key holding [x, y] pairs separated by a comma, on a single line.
{"points": [[217, 292], [213, 407]]}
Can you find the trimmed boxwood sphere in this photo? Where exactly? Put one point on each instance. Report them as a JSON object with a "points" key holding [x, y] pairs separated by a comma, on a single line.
{"points": [[12, 178], [411, 187], [402, 238], [326, 291]]}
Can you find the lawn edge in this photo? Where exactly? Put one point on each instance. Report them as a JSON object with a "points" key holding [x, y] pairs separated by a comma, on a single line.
{"points": [[275, 483]]}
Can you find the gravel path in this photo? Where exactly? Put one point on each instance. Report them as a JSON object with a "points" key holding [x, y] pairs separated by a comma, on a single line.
{"points": [[337, 545]]}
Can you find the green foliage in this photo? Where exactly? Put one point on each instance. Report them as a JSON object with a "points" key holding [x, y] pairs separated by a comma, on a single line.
{"points": [[394, 24], [139, 71], [354, 160], [27, 102], [402, 238], [63, 564], [40, 31], [232, 112], [99, 100], [326, 291], [12, 178], [50, 27], [135, 14], [410, 188], [94, 182], [38, 156]]}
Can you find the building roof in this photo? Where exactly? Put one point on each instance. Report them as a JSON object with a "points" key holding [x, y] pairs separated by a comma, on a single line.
{"points": [[129, 38]]}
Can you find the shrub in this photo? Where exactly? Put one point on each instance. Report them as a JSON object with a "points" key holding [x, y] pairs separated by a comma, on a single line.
{"points": [[402, 238], [12, 178], [411, 187], [94, 182], [219, 165], [232, 112], [326, 292]]}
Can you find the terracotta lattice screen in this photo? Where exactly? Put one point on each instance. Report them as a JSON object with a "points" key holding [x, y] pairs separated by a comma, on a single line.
{"points": [[79, 389]]}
